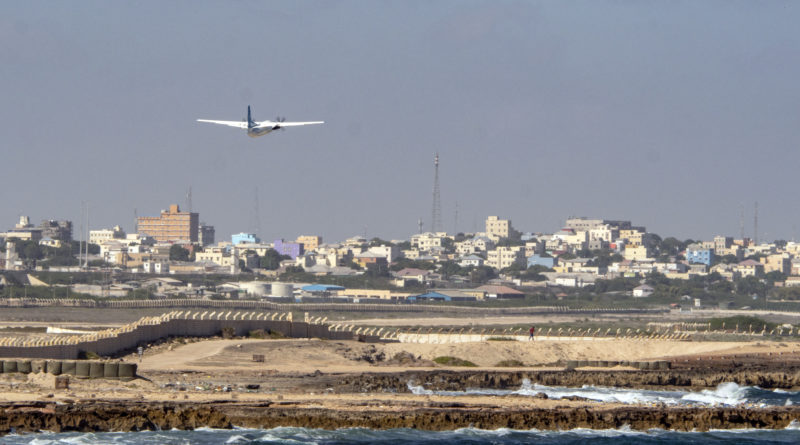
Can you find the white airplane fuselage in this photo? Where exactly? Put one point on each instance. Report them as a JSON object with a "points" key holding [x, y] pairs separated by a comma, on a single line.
{"points": [[255, 132]]}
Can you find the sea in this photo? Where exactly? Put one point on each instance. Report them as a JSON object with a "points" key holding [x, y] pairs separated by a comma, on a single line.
{"points": [[467, 436], [726, 394]]}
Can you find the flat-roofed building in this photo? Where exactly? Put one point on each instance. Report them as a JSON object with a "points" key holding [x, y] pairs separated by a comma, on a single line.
{"points": [[173, 225], [309, 242]]}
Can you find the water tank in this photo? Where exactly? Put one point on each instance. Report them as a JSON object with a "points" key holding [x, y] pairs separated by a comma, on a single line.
{"points": [[282, 289], [255, 288]]}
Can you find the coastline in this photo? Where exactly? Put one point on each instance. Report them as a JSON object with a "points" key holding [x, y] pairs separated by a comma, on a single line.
{"points": [[437, 414]]}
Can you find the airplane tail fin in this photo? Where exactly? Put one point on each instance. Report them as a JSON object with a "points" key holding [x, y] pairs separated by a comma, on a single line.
{"points": [[250, 123]]}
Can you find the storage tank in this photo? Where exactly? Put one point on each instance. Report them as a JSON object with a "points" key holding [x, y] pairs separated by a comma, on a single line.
{"points": [[282, 290], [255, 288]]}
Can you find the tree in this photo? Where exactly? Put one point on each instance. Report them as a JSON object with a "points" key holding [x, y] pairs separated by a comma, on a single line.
{"points": [[272, 259], [376, 270], [450, 268], [774, 276], [448, 244], [671, 246], [751, 286], [482, 274], [178, 253], [656, 278], [29, 250], [375, 242]]}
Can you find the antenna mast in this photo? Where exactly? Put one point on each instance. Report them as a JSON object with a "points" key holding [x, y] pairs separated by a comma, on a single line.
{"points": [[455, 220], [755, 225], [741, 221], [436, 212]]}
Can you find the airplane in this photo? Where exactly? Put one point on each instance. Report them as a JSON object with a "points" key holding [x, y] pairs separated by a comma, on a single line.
{"points": [[256, 129]]}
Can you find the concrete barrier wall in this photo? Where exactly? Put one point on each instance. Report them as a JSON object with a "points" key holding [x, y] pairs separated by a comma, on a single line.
{"points": [[173, 324], [81, 368]]}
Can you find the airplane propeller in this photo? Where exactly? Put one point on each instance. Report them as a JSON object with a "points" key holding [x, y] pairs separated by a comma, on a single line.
{"points": [[280, 119]]}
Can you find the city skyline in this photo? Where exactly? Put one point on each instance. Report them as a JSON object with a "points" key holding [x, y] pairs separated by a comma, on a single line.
{"points": [[675, 116]]}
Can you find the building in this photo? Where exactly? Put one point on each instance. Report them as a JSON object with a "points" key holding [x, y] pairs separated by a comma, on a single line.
{"points": [[60, 230], [309, 242], [427, 241], [173, 225], [636, 252], [642, 291], [291, 249], [497, 228], [778, 262], [537, 260], [23, 231], [749, 268], [501, 292], [585, 224], [244, 238], [102, 235], [697, 254], [470, 261], [205, 234], [503, 257]]}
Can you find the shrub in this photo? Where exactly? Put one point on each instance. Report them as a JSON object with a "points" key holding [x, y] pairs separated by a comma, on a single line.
{"points": [[453, 361], [228, 332], [509, 364]]}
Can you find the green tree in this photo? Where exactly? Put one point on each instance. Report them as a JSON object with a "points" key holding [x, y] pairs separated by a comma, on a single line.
{"points": [[178, 253], [482, 274], [375, 242], [450, 268], [376, 270], [751, 285], [774, 276], [671, 246], [448, 244], [272, 259]]}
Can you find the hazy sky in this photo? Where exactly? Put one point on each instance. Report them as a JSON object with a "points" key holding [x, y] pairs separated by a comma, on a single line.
{"points": [[673, 114]]}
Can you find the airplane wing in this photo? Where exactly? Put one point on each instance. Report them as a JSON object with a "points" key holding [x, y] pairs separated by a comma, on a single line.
{"points": [[295, 124], [228, 123]]}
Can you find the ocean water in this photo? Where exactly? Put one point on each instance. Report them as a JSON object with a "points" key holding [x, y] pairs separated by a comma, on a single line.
{"points": [[469, 436], [726, 394]]}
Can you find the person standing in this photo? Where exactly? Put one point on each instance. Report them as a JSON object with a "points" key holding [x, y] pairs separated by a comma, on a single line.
{"points": [[532, 331]]}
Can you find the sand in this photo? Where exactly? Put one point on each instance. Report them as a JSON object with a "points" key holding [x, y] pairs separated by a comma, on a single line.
{"points": [[305, 356]]}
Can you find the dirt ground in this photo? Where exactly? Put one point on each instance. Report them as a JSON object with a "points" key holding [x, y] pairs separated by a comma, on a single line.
{"points": [[306, 356]]}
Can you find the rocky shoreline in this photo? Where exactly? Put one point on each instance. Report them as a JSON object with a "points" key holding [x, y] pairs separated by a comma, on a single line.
{"points": [[94, 416], [445, 380]]}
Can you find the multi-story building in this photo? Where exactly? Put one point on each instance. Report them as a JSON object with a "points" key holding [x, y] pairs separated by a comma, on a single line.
{"points": [[56, 229], [634, 236], [294, 250], [173, 225], [244, 238], [722, 243], [102, 235], [425, 242], [23, 231], [697, 254], [309, 242], [636, 253], [779, 262], [583, 223], [503, 257], [205, 234], [497, 228]]}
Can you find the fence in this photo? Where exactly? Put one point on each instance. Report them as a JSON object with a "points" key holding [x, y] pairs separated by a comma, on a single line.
{"points": [[339, 307]]}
